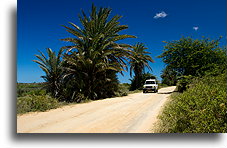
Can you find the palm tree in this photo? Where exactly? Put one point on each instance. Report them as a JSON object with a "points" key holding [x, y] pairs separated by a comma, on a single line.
{"points": [[139, 60], [52, 66], [94, 51]]}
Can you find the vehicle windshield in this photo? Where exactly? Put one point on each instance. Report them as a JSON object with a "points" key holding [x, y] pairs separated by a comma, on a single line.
{"points": [[150, 82]]}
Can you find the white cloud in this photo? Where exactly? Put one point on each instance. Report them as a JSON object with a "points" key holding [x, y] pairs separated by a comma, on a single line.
{"points": [[195, 28], [160, 15]]}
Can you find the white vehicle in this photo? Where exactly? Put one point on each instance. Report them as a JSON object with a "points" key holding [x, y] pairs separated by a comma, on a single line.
{"points": [[150, 85]]}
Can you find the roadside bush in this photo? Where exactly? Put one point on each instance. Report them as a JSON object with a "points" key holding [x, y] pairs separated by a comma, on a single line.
{"points": [[123, 90], [200, 109], [35, 103], [24, 89], [183, 83]]}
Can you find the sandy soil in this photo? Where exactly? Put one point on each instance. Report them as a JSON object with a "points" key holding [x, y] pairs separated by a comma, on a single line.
{"points": [[135, 113]]}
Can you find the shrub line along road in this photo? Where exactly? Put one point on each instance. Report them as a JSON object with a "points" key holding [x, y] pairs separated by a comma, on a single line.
{"points": [[135, 113]]}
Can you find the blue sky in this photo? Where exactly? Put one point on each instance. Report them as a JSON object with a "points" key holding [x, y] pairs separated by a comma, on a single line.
{"points": [[152, 21]]}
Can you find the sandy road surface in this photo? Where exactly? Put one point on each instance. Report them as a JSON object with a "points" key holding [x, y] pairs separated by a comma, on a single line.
{"points": [[135, 113]]}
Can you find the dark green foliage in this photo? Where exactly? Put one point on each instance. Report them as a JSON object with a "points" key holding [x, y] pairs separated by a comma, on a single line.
{"points": [[71, 92], [94, 56], [88, 68], [169, 76], [52, 66], [184, 82], [138, 84], [123, 90], [193, 57], [107, 89], [34, 103], [200, 109], [138, 61], [24, 89], [186, 58]]}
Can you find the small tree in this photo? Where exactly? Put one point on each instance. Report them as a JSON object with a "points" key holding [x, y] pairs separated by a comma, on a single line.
{"points": [[192, 57], [187, 58], [52, 66]]}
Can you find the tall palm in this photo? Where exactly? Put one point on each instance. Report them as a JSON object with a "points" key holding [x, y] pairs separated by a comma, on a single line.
{"points": [[52, 66], [139, 60], [94, 51], [98, 37]]}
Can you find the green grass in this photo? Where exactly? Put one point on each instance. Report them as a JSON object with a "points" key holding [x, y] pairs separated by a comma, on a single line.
{"points": [[32, 97], [200, 109], [36, 103]]}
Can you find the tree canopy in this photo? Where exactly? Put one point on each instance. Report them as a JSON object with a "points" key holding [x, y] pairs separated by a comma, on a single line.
{"points": [[139, 59], [187, 58]]}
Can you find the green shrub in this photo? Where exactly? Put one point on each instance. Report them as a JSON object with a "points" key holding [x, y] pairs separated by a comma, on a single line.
{"points": [[200, 109], [24, 89], [35, 103], [123, 90], [183, 82]]}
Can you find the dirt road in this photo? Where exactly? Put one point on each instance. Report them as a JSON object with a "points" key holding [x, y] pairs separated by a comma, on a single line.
{"points": [[135, 113]]}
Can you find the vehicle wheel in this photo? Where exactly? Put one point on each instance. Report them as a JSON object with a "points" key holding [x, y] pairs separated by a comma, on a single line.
{"points": [[144, 91]]}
